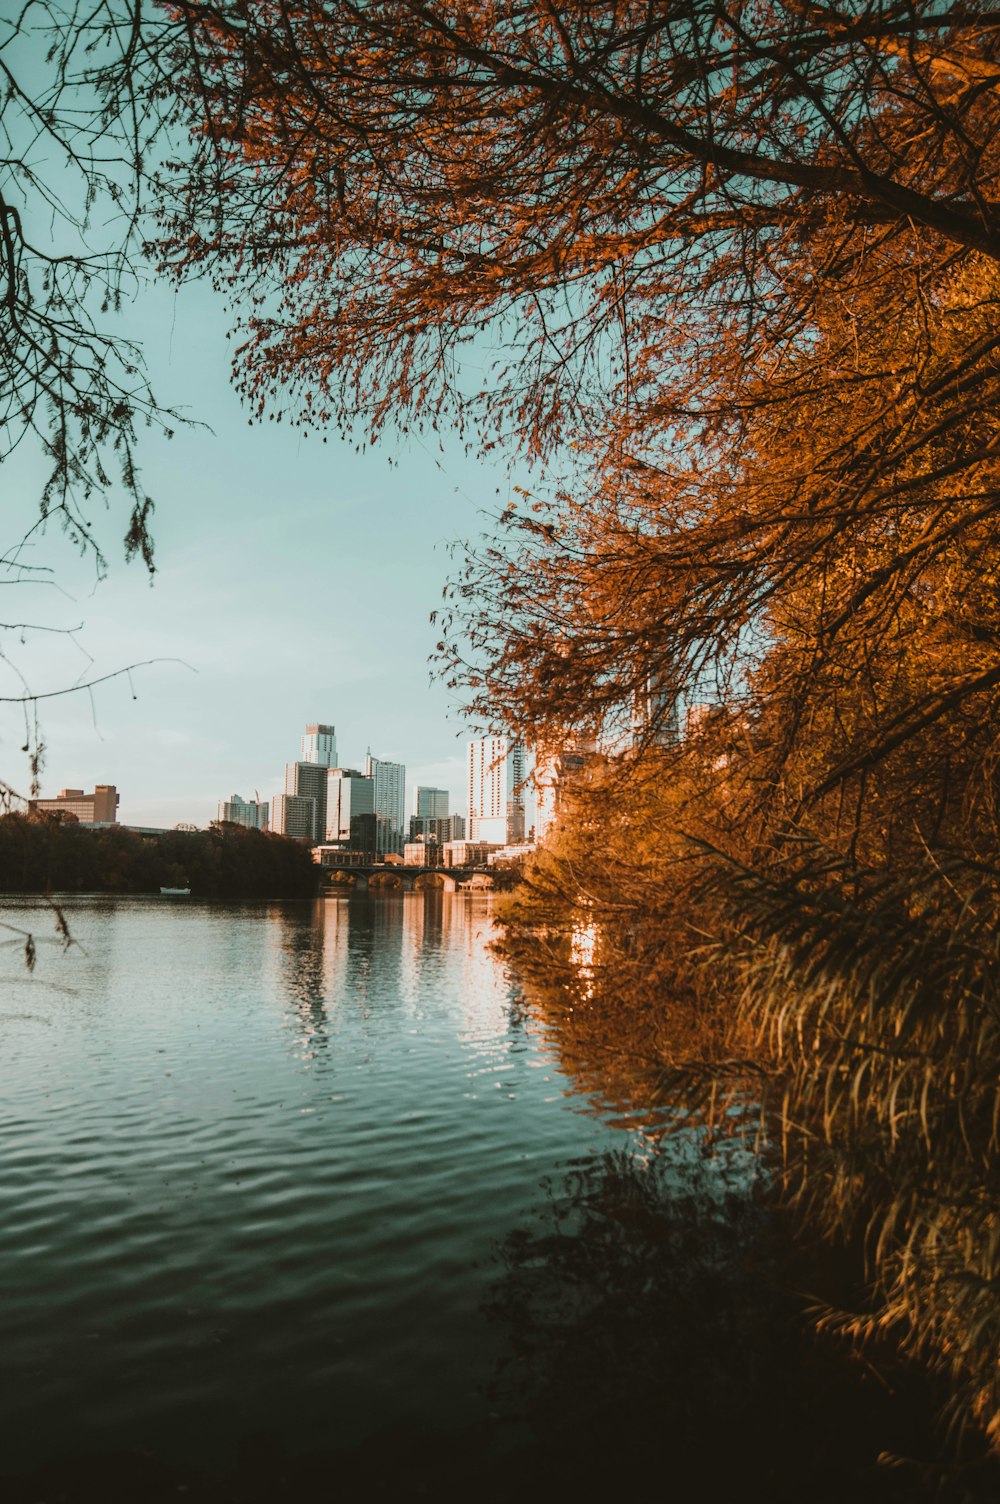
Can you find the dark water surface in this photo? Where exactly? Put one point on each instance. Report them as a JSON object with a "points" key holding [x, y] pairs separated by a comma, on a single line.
{"points": [[256, 1161], [296, 1201]]}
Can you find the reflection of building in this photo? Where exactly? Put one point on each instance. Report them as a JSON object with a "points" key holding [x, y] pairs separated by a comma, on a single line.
{"points": [[432, 803], [496, 790], [450, 828], [350, 809], [98, 808], [247, 812], [319, 745], [293, 815], [390, 803]]}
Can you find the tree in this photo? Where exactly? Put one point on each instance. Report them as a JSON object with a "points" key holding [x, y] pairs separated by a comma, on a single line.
{"points": [[79, 116], [733, 271], [612, 189]]}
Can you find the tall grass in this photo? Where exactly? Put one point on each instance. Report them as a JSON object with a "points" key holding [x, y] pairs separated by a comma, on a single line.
{"points": [[878, 1001]]}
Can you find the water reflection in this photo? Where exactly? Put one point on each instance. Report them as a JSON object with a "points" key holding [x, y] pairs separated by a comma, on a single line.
{"points": [[311, 961], [653, 1333], [582, 951], [271, 1228]]}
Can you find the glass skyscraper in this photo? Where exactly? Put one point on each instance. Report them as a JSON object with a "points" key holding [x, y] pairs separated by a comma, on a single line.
{"points": [[432, 804], [350, 809], [390, 803]]}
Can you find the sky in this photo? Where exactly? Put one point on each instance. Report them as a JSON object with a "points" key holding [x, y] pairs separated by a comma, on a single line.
{"points": [[294, 583]]}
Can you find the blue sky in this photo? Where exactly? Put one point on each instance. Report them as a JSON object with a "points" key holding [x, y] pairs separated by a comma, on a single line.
{"points": [[294, 581]]}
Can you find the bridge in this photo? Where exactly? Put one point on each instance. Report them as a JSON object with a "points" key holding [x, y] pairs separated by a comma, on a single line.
{"points": [[359, 877]]}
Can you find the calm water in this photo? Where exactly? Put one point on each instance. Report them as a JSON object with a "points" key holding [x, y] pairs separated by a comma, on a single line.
{"points": [[257, 1162], [297, 1202]]}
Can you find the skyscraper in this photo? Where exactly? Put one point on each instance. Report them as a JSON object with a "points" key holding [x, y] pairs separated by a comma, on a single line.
{"points": [[432, 803], [496, 790], [390, 803], [350, 809], [319, 745], [293, 816], [556, 766], [307, 780], [655, 715], [239, 811]]}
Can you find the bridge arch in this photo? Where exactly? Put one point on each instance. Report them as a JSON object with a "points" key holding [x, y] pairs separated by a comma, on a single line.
{"points": [[434, 882]]}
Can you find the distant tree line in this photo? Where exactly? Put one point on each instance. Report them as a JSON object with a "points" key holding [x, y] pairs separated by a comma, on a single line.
{"points": [[227, 861]]}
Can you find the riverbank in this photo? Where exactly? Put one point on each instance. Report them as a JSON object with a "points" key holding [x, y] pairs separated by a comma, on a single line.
{"points": [[42, 855], [654, 1034]]}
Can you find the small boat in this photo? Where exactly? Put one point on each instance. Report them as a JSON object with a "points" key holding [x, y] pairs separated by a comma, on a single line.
{"points": [[175, 892]]}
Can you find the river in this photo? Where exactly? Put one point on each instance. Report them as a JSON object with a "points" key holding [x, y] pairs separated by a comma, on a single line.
{"points": [[301, 1190]]}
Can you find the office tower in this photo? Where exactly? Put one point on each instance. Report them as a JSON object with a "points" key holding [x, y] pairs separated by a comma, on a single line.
{"points": [[555, 767], [319, 746], [98, 808], [432, 803], [293, 816], [350, 809], [655, 715], [496, 790], [248, 812], [307, 780], [390, 803]]}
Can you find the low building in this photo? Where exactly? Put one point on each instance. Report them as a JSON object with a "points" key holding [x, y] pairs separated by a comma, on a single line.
{"points": [[511, 856], [98, 808], [329, 854], [437, 827], [467, 853], [423, 852]]}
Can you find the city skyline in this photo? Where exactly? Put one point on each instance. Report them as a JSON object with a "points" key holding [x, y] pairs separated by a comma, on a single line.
{"points": [[239, 611]]}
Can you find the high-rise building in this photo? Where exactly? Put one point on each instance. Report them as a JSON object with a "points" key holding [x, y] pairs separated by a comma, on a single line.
{"points": [[350, 809], [98, 808], [433, 803], [555, 767], [293, 815], [307, 780], [319, 745], [390, 803], [655, 715], [248, 812], [496, 790]]}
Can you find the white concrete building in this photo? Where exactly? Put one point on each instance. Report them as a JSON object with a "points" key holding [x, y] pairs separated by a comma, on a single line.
{"points": [[319, 745], [496, 772]]}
